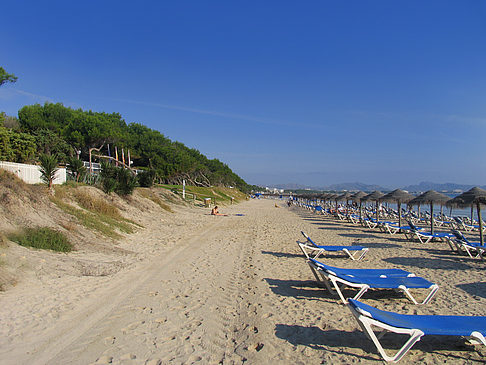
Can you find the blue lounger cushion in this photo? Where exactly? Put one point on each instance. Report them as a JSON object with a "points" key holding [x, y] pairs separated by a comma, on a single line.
{"points": [[364, 279], [415, 326], [313, 250], [428, 324], [365, 272]]}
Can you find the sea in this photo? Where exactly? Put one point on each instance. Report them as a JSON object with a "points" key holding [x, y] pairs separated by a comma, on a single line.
{"points": [[450, 212]]}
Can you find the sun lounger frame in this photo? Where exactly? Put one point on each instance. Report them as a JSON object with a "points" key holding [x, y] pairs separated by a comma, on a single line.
{"points": [[339, 281], [366, 321], [312, 250]]}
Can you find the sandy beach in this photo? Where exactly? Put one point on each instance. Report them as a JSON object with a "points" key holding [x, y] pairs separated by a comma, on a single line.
{"points": [[194, 288]]}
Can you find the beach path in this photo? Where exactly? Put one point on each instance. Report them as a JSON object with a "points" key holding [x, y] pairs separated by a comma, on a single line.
{"points": [[192, 303]]}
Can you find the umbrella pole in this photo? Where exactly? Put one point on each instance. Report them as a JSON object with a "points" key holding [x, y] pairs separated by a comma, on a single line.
{"points": [[472, 214], [399, 216], [431, 217], [360, 211], [418, 208], [478, 207]]}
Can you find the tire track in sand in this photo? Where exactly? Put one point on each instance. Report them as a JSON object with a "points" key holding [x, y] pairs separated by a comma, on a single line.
{"points": [[73, 326], [182, 313]]}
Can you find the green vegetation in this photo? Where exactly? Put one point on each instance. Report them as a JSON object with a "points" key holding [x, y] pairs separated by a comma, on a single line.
{"points": [[117, 179], [147, 193], [56, 130], [217, 194], [95, 214], [42, 238], [83, 131], [16, 146], [76, 168], [146, 178], [48, 168], [6, 77]]}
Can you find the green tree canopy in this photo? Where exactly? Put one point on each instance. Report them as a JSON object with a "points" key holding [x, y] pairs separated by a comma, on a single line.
{"points": [[6, 77], [149, 149]]}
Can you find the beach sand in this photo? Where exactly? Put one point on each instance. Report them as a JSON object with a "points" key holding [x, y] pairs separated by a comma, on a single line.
{"points": [[195, 288]]}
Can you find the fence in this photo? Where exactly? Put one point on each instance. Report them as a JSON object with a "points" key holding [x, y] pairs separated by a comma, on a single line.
{"points": [[31, 173]]}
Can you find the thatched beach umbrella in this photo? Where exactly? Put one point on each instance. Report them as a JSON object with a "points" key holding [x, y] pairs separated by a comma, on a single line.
{"points": [[476, 196], [343, 197], [430, 197], [327, 197], [398, 196], [357, 198], [375, 196]]}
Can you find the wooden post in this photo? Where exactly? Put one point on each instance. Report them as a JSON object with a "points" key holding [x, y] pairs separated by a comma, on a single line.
{"points": [[431, 217], [478, 207], [90, 150]]}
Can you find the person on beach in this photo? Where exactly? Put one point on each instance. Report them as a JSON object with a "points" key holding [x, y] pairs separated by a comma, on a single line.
{"points": [[214, 211]]}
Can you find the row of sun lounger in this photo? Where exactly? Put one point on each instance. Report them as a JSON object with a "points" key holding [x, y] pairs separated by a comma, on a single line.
{"points": [[372, 319], [456, 240]]}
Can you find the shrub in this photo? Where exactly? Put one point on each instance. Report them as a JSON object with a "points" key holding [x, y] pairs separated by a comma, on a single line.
{"points": [[48, 168], [146, 178], [108, 177], [96, 205], [126, 182], [120, 180], [76, 168], [43, 238]]}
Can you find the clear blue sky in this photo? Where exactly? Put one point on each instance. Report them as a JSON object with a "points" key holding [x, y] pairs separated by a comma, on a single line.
{"points": [[314, 92]]}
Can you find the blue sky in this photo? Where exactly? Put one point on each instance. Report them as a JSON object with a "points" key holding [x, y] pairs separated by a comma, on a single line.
{"points": [[316, 92]]}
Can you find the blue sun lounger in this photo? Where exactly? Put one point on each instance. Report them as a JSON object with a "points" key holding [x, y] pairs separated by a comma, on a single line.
{"points": [[393, 227], [463, 244], [415, 326], [383, 273], [424, 237], [467, 227], [362, 281], [313, 250]]}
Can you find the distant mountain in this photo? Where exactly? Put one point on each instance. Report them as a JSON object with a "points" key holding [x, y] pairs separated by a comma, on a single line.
{"points": [[426, 185], [293, 187], [356, 186]]}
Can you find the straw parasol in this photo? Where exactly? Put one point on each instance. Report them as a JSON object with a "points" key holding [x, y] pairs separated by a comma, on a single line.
{"points": [[430, 197], [343, 197], [375, 196], [357, 197], [476, 196], [398, 196]]}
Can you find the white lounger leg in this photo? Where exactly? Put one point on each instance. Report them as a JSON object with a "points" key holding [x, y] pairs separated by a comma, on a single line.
{"points": [[366, 323], [361, 254], [433, 289]]}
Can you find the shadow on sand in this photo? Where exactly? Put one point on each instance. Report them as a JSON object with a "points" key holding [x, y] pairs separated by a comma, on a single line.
{"points": [[341, 341], [428, 263], [475, 289], [319, 339], [299, 289], [282, 254]]}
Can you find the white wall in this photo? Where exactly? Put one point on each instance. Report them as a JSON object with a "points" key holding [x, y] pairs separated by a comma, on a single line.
{"points": [[31, 173]]}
